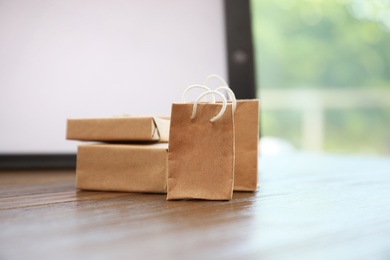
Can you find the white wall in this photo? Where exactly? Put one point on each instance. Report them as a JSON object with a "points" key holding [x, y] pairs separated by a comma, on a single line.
{"points": [[94, 58]]}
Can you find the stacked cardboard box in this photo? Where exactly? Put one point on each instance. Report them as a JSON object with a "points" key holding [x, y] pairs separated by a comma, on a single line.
{"points": [[132, 159]]}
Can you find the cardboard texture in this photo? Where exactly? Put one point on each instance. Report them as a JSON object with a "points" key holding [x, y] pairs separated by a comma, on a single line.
{"points": [[201, 153], [118, 129], [246, 127], [122, 167]]}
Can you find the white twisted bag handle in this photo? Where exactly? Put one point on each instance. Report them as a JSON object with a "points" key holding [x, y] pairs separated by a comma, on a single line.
{"points": [[224, 86], [231, 95], [183, 97], [215, 76], [211, 92]]}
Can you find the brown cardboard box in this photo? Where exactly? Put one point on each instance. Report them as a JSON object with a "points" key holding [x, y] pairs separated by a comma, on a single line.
{"points": [[122, 167], [118, 129]]}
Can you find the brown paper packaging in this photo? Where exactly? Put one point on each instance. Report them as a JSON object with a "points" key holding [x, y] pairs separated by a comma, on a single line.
{"points": [[246, 156], [122, 167], [246, 127], [118, 129], [201, 153]]}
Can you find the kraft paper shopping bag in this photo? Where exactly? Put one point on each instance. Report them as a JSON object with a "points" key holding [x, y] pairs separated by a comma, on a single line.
{"points": [[246, 127], [201, 150]]}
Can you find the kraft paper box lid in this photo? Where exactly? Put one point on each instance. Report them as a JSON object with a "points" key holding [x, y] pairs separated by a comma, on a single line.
{"points": [[123, 167], [126, 128]]}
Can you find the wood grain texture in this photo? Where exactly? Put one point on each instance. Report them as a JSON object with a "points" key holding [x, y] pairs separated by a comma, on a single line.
{"points": [[308, 207]]}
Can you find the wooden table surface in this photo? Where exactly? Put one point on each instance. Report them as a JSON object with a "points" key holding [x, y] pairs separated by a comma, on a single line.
{"points": [[308, 207]]}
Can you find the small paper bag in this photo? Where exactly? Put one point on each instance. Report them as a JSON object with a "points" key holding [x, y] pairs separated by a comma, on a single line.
{"points": [[201, 151], [246, 127]]}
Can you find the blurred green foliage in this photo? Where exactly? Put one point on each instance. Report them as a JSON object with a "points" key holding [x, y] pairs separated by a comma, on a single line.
{"points": [[325, 44], [314, 43], [365, 131]]}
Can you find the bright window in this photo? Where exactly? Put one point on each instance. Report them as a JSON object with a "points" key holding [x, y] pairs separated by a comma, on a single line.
{"points": [[323, 73]]}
